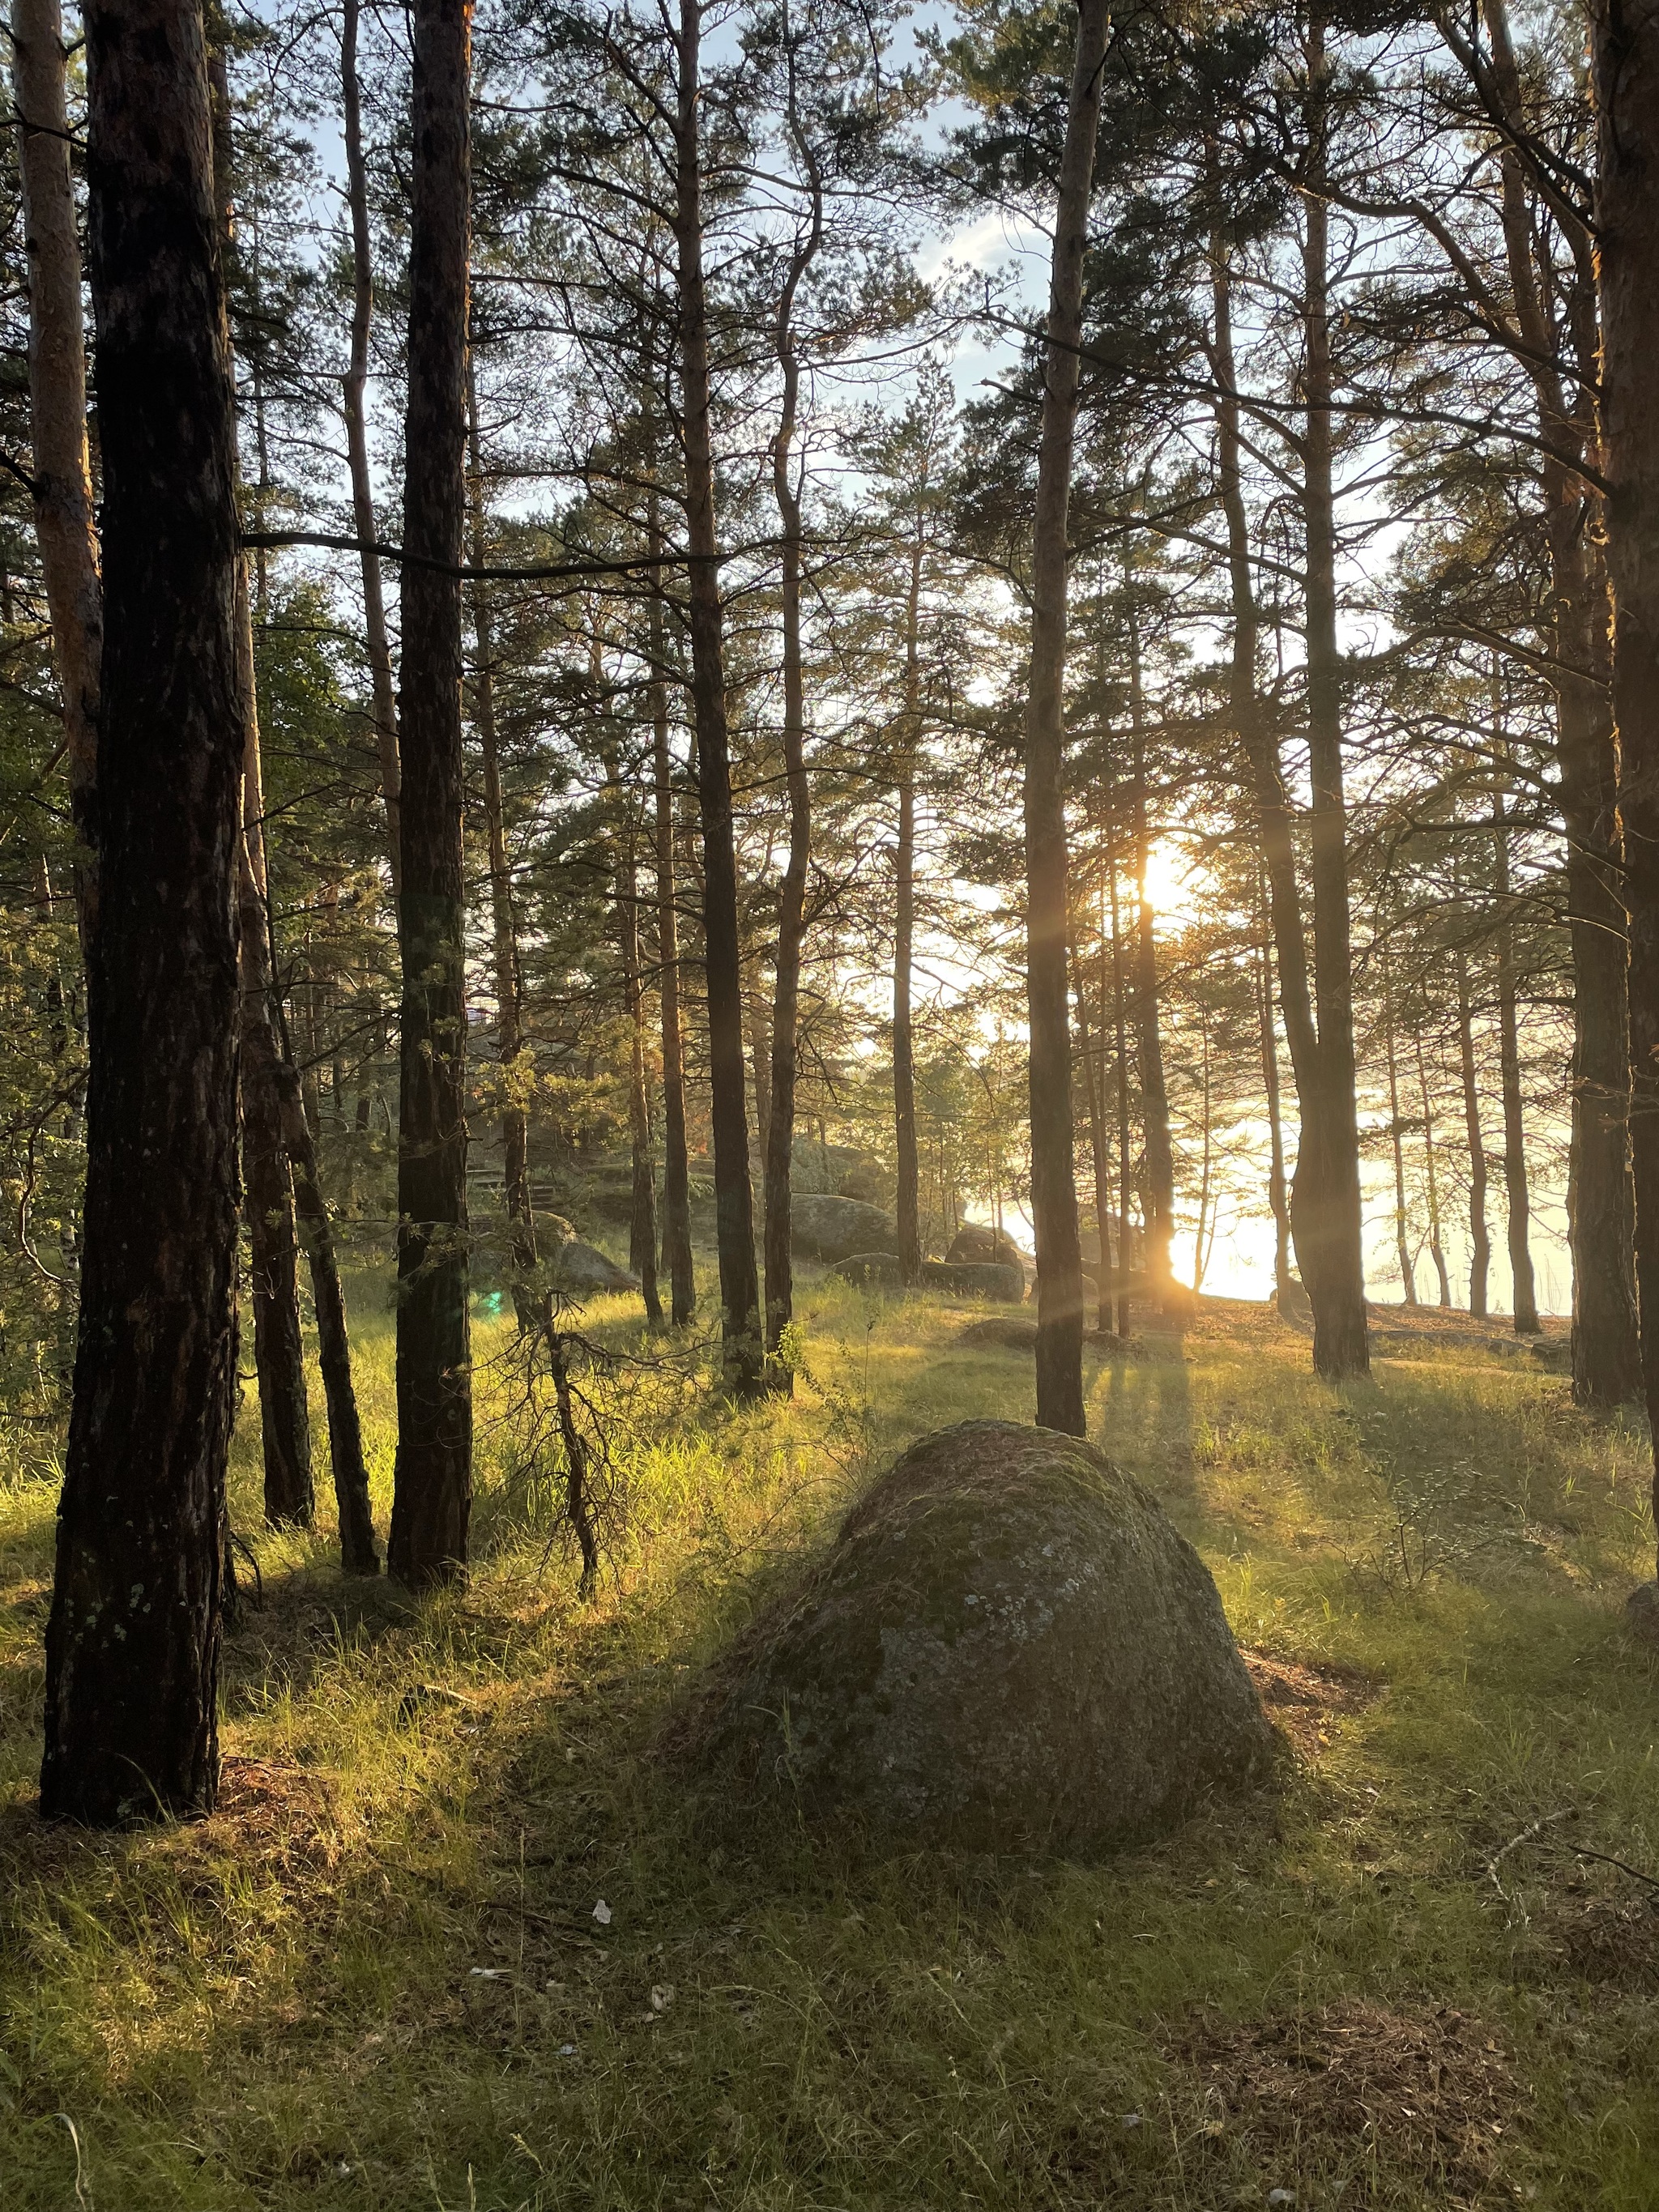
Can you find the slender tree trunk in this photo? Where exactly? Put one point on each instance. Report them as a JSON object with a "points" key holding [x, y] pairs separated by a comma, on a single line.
{"points": [[1278, 1197], [1480, 1237], [1518, 1209], [1201, 1258], [741, 1347], [384, 701], [1396, 1136], [1606, 1346], [1054, 1189], [433, 1489], [643, 1212], [780, 1132], [676, 1179], [268, 1196], [1625, 61], [1328, 1199], [1154, 1090], [1094, 1067], [1121, 1047], [64, 526], [132, 1642], [504, 934], [1431, 1181], [908, 1213]]}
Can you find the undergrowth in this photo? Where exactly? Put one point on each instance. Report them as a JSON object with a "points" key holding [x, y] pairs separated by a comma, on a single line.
{"points": [[454, 1940]]}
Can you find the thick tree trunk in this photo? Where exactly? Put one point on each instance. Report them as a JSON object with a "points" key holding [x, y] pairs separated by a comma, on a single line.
{"points": [[384, 701], [1606, 1347], [742, 1352], [132, 1644], [64, 526], [1053, 1187], [1624, 56], [433, 1489], [676, 1171], [1480, 1236], [1325, 1197], [1518, 1209]]}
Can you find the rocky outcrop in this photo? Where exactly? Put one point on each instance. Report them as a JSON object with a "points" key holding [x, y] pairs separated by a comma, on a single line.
{"points": [[1008, 1646]]}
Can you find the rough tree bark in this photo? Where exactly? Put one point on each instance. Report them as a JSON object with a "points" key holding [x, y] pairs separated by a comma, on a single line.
{"points": [[1625, 61], [383, 700], [132, 1644], [907, 1215], [743, 1351], [1054, 1186], [64, 526], [433, 1487]]}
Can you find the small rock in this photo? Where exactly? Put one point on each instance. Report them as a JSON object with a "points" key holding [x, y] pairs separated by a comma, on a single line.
{"points": [[601, 1913]]}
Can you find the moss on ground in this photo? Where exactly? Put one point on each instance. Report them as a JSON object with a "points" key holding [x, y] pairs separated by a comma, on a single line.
{"points": [[375, 1977]]}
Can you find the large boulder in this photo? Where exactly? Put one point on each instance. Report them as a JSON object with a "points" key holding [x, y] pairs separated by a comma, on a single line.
{"points": [[979, 1244], [1009, 1646], [582, 1270], [824, 1226], [836, 1168], [871, 1271], [975, 1279]]}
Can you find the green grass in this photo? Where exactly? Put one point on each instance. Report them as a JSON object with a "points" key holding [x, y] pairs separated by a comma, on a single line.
{"points": [[373, 1979]]}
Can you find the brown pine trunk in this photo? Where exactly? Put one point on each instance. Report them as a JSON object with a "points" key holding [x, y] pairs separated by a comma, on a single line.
{"points": [[64, 526], [132, 1644], [1094, 1066], [643, 1211], [1606, 1347], [676, 1170], [1154, 1090], [1480, 1236], [1397, 1139], [1325, 1196], [907, 1207], [1431, 1181], [1277, 1198], [742, 1352], [779, 1130], [431, 1495], [384, 701], [1053, 1185], [1625, 56], [1121, 1049]]}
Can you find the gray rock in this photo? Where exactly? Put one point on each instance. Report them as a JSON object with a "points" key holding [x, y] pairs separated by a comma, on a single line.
{"points": [[584, 1270], [974, 1280], [1641, 1613], [823, 1226], [979, 1244], [836, 1169], [1009, 1646], [871, 1271]]}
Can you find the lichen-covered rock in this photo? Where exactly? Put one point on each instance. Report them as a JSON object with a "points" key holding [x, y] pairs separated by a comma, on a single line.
{"points": [[977, 1243], [871, 1271], [583, 1269], [975, 1279], [823, 1226], [1009, 1646]]}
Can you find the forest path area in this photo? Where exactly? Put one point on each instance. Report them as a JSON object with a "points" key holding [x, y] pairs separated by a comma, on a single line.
{"points": [[455, 1939]]}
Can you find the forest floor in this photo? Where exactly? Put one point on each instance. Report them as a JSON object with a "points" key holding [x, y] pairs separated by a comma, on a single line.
{"points": [[380, 1975]]}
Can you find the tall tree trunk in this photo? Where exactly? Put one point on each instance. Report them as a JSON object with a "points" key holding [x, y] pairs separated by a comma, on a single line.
{"points": [[268, 1196], [1606, 1347], [1480, 1237], [1326, 1197], [779, 1133], [1200, 1257], [1094, 1062], [1053, 1187], [1154, 1090], [1518, 1208], [743, 1351], [1396, 1136], [642, 1209], [1625, 61], [1277, 1198], [907, 1209], [64, 526], [675, 1175], [1121, 1049], [384, 701], [1431, 1181], [504, 935], [132, 1642], [432, 1497]]}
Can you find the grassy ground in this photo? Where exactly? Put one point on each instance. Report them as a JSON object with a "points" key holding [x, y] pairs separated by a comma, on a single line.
{"points": [[375, 1977]]}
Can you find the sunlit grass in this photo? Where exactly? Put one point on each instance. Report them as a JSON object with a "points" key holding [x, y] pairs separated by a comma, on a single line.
{"points": [[374, 1978]]}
